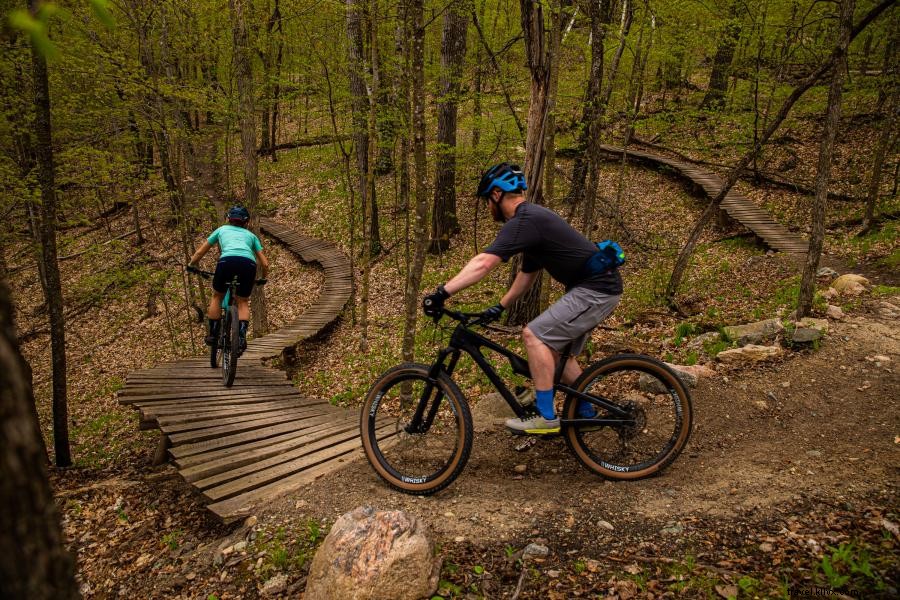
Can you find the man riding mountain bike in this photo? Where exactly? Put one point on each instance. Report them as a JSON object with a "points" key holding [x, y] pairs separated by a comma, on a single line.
{"points": [[548, 242], [240, 251]]}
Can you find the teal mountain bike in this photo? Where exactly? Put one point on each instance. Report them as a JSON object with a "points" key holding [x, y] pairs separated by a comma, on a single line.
{"points": [[227, 348]]}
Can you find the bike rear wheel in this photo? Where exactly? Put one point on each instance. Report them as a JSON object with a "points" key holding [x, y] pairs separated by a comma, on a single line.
{"points": [[215, 352], [656, 400], [416, 460], [231, 346]]}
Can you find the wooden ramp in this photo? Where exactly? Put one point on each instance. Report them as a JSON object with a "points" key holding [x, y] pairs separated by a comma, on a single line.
{"points": [[244, 445], [736, 205]]}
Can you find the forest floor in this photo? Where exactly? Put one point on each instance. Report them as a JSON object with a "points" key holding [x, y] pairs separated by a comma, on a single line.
{"points": [[789, 481]]}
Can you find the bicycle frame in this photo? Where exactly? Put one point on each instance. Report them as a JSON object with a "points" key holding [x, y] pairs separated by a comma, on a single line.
{"points": [[465, 340]]}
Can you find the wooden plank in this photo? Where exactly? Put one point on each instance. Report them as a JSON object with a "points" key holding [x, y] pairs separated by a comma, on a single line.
{"points": [[208, 433], [201, 465], [301, 447], [273, 474], [219, 422], [226, 441]]}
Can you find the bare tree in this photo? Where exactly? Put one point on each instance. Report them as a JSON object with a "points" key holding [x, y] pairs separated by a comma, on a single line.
{"points": [[414, 280], [34, 562], [444, 223], [243, 74], [48, 259], [718, 78], [826, 151]]}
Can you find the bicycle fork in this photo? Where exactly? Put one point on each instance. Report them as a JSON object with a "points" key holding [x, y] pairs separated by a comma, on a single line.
{"points": [[421, 422]]}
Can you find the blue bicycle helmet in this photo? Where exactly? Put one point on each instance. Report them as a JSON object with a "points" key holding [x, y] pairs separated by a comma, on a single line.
{"points": [[506, 176], [238, 213]]}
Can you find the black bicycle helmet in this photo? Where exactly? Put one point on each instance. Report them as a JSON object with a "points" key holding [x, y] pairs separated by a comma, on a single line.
{"points": [[238, 213], [508, 177]]}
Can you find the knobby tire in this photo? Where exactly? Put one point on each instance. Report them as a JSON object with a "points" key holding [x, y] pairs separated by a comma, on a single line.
{"points": [[232, 345], [415, 463], [659, 398]]}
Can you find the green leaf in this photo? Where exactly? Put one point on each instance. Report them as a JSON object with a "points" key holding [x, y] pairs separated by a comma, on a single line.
{"points": [[35, 28], [478, 569], [101, 11]]}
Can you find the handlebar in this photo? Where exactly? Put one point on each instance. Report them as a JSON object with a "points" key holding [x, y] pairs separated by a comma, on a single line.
{"points": [[467, 319], [200, 272]]}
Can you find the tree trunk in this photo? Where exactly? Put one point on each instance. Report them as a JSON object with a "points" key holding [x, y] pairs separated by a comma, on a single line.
{"points": [[360, 108], [600, 15], [711, 208], [50, 266], [718, 78], [823, 172], [243, 75], [34, 562], [539, 56], [444, 223], [595, 128], [414, 280]]}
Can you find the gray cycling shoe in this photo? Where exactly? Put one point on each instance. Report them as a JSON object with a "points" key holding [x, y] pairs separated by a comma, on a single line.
{"points": [[536, 425]]}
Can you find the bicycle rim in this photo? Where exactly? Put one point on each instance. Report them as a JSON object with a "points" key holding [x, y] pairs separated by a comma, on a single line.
{"points": [[421, 462], [660, 411], [230, 347]]}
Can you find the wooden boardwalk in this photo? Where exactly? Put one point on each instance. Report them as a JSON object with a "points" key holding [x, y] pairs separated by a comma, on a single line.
{"points": [[736, 205], [244, 445]]}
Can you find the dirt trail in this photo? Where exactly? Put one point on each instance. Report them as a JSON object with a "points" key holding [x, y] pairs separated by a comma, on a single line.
{"points": [[819, 425]]}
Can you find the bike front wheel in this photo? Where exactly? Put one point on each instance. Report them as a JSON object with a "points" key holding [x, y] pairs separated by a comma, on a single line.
{"points": [[416, 433], [655, 430], [231, 346]]}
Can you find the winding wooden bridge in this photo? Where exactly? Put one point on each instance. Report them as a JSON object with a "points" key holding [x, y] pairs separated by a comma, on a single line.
{"points": [[244, 445], [737, 206]]}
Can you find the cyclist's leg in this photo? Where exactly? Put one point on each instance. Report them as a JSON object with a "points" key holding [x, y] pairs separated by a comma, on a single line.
{"points": [[214, 310], [245, 270], [569, 322]]}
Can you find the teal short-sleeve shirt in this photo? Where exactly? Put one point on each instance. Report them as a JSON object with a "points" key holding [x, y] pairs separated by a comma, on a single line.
{"points": [[235, 241]]}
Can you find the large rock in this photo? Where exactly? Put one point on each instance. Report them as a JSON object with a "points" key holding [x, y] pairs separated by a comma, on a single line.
{"points": [[688, 374], [850, 284], [754, 333], [384, 555], [748, 354]]}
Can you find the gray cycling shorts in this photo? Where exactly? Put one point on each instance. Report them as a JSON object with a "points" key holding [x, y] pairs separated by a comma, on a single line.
{"points": [[571, 319]]}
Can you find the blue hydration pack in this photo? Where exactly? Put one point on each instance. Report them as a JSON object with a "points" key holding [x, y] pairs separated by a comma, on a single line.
{"points": [[609, 256]]}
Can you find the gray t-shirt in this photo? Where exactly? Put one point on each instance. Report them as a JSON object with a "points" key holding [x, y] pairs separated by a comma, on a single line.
{"points": [[547, 241]]}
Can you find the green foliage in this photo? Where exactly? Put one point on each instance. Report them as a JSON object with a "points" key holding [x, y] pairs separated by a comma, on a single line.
{"points": [[172, 539], [281, 553], [849, 564], [682, 331], [885, 290]]}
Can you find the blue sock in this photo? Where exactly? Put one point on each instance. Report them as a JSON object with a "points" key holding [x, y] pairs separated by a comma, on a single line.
{"points": [[544, 401], [586, 409]]}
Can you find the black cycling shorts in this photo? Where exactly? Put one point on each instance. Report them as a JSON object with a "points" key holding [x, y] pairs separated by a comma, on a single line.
{"points": [[228, 267]]}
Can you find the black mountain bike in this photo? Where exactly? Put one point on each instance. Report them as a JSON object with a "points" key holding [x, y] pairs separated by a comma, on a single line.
{"points": [[416, 426], [227, 348]]}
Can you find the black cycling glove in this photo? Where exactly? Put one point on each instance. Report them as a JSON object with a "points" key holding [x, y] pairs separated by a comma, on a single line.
{"points": [[491, 314], [433, 303]]}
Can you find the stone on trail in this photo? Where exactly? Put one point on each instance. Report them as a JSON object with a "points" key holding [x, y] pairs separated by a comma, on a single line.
{"points": [[834, 312], [850, 284], [886, 309], [805, 335], [383, 555], [274, 586], [750, 353], [826, 272], [754, 333], [688, 374]]}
